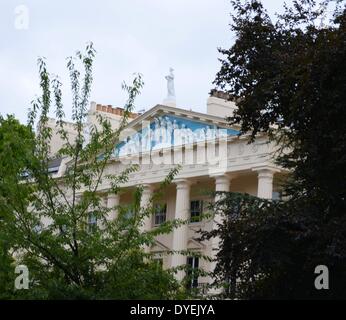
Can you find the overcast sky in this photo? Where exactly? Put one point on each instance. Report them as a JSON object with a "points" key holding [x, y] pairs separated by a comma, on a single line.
{"points": [[146, 36]]}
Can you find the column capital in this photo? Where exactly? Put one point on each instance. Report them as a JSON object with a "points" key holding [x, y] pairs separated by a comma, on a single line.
{"points": [[222, 182], [223, 177], [266, 170], [147, 187], [182, 183], [113, 195], [265, 181]]}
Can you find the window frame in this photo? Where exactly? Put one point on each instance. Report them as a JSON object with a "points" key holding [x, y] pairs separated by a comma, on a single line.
{"points": [[193, 282], [92, 226], [195, 216], [162, 215]]}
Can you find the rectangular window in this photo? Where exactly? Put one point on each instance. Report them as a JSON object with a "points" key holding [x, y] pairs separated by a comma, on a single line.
{"points": [[160, 214], [276, 195], [129, 213], [193, 264], [196, 210], [92, 222]]}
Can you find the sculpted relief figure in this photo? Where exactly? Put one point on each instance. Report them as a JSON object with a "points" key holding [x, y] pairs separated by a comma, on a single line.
{"points": [[164, 132], [215, 132], [189, 135], [199, 135], [157, 133], [183, 134], [136, 142], [169, 125], [146, 139], [209, 134], [130, 146], [125, 149], [177, 133]]}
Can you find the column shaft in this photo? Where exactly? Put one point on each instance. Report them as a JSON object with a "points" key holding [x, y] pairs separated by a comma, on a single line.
{"points": [[145, 202], [112, 203], [265, 184], [222, 184], [180, 234]]}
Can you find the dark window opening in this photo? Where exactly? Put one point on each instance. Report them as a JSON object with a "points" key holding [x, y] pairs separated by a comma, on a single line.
{"points": [[92, 222], [192, 274], [160, 214], [196, 210]]}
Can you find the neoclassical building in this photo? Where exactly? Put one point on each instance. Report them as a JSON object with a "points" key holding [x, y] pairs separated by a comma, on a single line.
{"points": [[212, 156]]}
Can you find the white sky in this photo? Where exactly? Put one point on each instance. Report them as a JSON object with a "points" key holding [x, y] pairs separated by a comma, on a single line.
{"points": [[146, 36]]}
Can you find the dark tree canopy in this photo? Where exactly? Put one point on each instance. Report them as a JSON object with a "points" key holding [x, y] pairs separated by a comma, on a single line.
{"points": [[288, 77], [289, 80]]}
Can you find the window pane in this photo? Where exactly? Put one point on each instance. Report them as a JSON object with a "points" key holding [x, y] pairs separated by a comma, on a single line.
{"points": [[129, 213], [92, 222], [160, 214], [196, 210], [193, 263], [276, 195]]}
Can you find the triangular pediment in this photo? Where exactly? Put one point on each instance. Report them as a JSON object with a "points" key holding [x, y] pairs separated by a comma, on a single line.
{"points": [[159, 247], [193, 244], [165, 127]]}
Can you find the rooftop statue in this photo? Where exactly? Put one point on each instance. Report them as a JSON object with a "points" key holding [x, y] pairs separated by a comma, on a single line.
{"points": [[170, 84], [170, 99]]}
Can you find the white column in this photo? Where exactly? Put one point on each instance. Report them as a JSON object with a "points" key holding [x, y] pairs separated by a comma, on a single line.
{"points": [[265, 183], [145, 201], [222, 184], [180, 235], [112, 203]]}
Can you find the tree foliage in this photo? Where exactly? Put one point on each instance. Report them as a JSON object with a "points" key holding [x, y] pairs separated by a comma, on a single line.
{"points": [[16, 150], [288, 77], [46, 219], [269, 250]]}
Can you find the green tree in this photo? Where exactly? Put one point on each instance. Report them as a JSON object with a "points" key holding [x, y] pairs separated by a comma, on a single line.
{"points": [[47, 221], [288, 77], [16, 150]]}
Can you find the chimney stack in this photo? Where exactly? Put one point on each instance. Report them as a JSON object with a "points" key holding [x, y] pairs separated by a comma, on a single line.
{"points": [[220, 104]]}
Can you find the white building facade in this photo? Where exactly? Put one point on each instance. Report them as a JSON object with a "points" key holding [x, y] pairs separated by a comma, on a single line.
{"points": [[212, 157]]}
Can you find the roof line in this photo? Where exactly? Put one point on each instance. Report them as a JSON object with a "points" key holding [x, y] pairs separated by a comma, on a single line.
{"points": [[176, 110]]}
